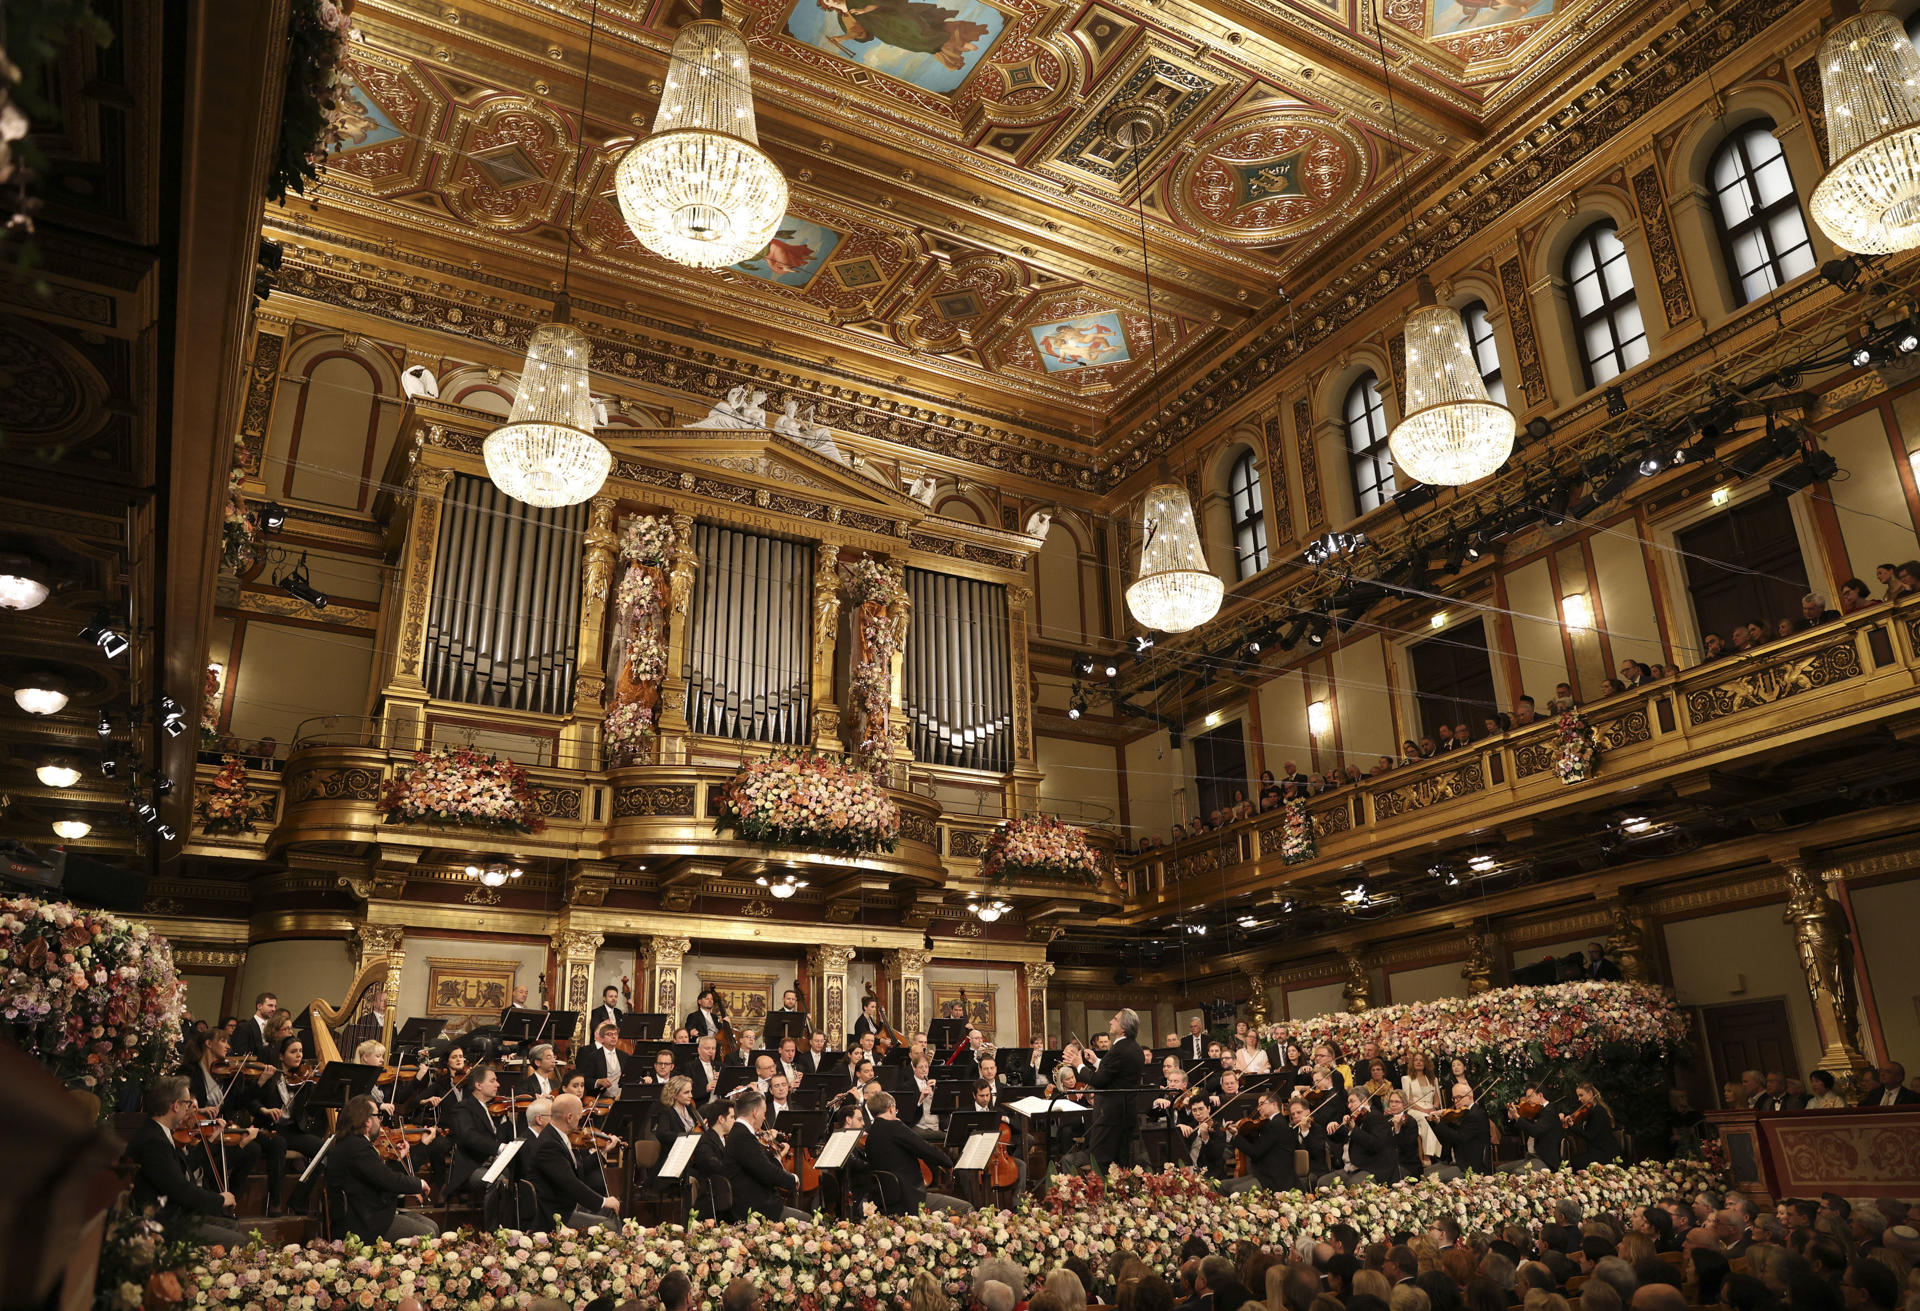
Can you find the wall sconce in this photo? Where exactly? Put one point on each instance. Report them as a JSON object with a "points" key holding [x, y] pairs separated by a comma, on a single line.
{"points": [[1576, 612], [1438, 621], [1319, 718], [1721, 495]]}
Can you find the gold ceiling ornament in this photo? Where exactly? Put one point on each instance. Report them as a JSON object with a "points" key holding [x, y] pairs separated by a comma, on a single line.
{"points": [[699, 191], [1452, 433], [1869, 201], [1175, 591]]}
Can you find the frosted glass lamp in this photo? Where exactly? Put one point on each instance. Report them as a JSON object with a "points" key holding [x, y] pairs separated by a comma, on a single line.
{"points": [[1869, 201], [1452, 433], [546, 454], [1175, 591], [699, 190]]}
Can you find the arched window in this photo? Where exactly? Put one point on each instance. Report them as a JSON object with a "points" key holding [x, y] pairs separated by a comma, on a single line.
{"points": [[1249, 517], [1486, 355], [1606, 315], [1367, 455], [1762, 230]]}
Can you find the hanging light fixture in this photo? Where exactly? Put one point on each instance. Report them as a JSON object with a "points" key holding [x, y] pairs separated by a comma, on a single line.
{"points": [[546, 453], [1175, 591], [783, 887], [989, 911], [1869, 201], [494, 874], [699, 190], [1452, 433]]}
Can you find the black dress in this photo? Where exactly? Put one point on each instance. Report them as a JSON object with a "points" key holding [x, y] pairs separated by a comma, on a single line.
{"points": [[1592, 1140]]}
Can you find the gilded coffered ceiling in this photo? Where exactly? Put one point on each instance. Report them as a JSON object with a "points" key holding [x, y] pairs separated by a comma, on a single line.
{"points": [[971, 180]]}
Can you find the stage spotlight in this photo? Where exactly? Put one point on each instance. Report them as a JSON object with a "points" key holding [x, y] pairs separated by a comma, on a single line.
{"points": [[1538, 429], [1651, 464], [1112, 670], [300, 586], [172, 718], [1082, 665], [273, 517], [1616, 401], [1842, 273], [165, 833], [104, 633]]}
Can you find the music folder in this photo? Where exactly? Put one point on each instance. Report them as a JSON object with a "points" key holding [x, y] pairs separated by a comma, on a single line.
{"points": [[1044, 1106], [677, 1156], [500, 1158], [834, 1154], [975, 1154]]}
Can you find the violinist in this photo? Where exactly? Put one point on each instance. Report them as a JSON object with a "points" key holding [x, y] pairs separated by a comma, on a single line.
{"points": [[705, 1070], [1465, 1131], [1269, 1149], [222, 1091], [560, 1174], [476, 1132], [752, 1170], [1170, 1107], [1590, 1129], [160, 1177], [1405, 1129], [704, 1020], [607, 1012], [674, 1115], [893, 1147], [438, 1090], [372, 1186], [709, 1161], [282, 1102], [1368, 1139], [1067, 1131], [1202, 1143], [985, 1100], [543, 1076], [602, 1062], [1324, 1097], [373, 1052], [1530, 1118]]}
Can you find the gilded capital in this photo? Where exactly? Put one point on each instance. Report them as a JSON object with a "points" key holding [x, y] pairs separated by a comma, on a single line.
{"points": [[378, 939], [577, 944], [666, 953], [1038, 972], [828, 959], [906, 961]]}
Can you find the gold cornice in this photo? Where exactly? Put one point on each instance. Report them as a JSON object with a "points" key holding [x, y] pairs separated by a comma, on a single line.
{"points": [[196, 932], [703, 929], [300, 924], [426, 917]]}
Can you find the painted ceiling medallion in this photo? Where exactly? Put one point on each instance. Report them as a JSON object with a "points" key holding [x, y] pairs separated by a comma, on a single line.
{"points": [[1272, 177]]}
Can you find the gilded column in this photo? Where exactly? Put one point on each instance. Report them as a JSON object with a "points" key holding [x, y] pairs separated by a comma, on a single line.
{"points": [[910, 969], [1477, 969], [368, 944], [901, 615], [670, 747], [826, 641], [1038, 972], [1826, 955], [827, 969], [405, 726], [1359, 989], [662, 957], [1026, 786], [575, 949]]}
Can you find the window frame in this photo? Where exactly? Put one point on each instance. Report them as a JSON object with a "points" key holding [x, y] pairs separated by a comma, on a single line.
{"points": [[1374, 453], [1490, 378], [1247, 514], [1759, 220], [1610, 305]]}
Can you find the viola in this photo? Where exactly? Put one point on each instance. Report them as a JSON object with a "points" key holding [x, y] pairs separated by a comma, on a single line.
{"points": [[596, 1140], [1528, 1110], [504, 1105], [1577, 1117]]}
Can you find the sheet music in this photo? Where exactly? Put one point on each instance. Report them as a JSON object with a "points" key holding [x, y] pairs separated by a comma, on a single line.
{"points": [[834, 1154], [1040, 1106], [500, 1158], [979, 1147], [677, 1157]]}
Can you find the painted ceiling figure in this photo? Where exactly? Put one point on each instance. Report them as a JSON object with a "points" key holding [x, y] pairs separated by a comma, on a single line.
{"points": [[907, 25], [1079, 343], [783, 254]]}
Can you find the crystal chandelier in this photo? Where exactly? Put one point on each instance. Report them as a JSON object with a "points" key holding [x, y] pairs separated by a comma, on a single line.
{"points": [[546, 453], [1175, 590], [1451, 433], [1869, 201], [494, 874], [700, 191]]}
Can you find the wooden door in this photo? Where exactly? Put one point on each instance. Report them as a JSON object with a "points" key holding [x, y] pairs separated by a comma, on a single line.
{"points": [[1748, 1035]]}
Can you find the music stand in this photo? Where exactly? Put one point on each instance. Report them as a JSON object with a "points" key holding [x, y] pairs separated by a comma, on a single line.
{"points": [[644, 1026], [520, 1026], [808, 1098], [420, 1031], [340, 1082], [951, 1097], [781, 1026], [944, 1035], [559, 1026], [733, 1076]]}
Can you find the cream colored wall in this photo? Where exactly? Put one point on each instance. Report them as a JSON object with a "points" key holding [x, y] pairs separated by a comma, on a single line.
{"points": [[1315, 999], [1283, 722], [1426, 983], [1886, 915], [1079, 779], [531, 958], [1363, 705], [609, 963], [204, 994], [1543, 660], [1157, 794], [1744, 956], [1060, 611], [287, 675], [1626, 598], [296, 970], [1871, 503], [1005, 984]]}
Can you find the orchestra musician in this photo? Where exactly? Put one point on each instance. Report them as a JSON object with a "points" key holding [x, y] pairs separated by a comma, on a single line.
{"points": [[1532, 1119], [897, 1149], [1465, 1131], [1590, 1127], [224, 1093], [161, 1180], [705, 1070], [543, 1076], [814, 1060], [1194, 1049], [790, 1005], [755, 1175], [1168, 1107], [789, 1060], [372, 1186], [869, 1021], [1406, 1134], [1308, 1135], [281, 1101], [372, 1024], [560, 1174], [1201, 1143], [602, 1062], [1368, 1139], [986, 1099], [251, 1037], [778, 1109], [1269, 1150], [989, 1069], [519, 1002], [749, 1042], [916, 1104], [710, 1157], [476, 1132], [607, 1012], [675, 1114], [704, 1019], [663, 1069]]}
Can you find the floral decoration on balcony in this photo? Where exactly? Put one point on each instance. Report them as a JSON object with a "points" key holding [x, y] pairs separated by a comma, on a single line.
{"points": [[91, 996], [239, 526], [646, 549], [320, 105], [224, 806], [1296, 832], [807, 799], [1041, 848], [879, 632], [1574, 750], [462, 785], [210, 709]]}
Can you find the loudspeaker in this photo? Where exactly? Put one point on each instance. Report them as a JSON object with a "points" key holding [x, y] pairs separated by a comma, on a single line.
{"points": [[57, 872]]}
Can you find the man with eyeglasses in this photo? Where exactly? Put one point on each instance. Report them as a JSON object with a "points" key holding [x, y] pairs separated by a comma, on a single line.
{"points": [[160, 1177]]}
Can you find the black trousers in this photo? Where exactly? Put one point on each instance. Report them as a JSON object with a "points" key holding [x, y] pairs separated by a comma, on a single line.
{"points": [[1109, 1143]]}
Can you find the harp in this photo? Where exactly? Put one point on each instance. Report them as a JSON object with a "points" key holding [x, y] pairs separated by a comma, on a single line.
{"points": [[326, 1019]]}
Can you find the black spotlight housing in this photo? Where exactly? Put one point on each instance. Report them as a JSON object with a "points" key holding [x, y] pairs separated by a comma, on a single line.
{"points": [[273, 517], [1082, 666], [1616, 401], [1538, 429], [106, 633], [300, 586]]}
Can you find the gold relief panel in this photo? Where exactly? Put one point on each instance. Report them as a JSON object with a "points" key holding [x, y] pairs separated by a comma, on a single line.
{"points": [[476, 989], [748, 997], [1430, 791], [509, 158], [981, 1002], [1759, 685]]}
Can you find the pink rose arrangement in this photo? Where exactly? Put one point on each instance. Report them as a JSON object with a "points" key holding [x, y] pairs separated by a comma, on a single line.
{"points": [[870, 690], [239, 526], [319, 107], [224, 806], [870, 1263], [91, 996], [646, 547], [1041, 848], [809, 799], [1296, 832], [1574, 749], [462, 785]]}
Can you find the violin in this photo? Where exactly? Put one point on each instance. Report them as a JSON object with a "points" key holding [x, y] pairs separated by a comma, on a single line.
{"points": [[393, 1144], [596, 1140], [1576, 1117], [1527, 1110], [249, 1066], [212, 1131], [505, 1105]]}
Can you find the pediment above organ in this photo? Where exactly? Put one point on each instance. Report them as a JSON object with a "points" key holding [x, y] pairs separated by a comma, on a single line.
{"points": [[772, 458]]}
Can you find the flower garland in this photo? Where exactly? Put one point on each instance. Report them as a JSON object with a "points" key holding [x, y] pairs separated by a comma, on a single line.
{"points": [[646, 547], [870, 1263], [141, 1267], [1041, 848], [805, 799], [1296, 832], [225, 808], [462, 785], [210, 709], [239, 526], [91, 996], [877, 637], [319, 98], [1574, 749]]}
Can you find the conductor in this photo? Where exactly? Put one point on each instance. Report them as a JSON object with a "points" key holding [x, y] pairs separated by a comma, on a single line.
{"points": [[1117, 1075]]}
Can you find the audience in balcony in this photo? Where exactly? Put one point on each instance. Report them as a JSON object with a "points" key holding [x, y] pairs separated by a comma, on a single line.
{"points": [[1562, 698], [1906, 580], [1854, 596], [1523, 712]]}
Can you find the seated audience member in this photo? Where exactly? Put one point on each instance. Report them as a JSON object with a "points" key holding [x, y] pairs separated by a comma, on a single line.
{"points": [[1562, 698], [1785, 628], [1380, 766], [1714, 647], [1756, 632], [1428, 748], [1444, 736], [1460, 738], [1906, 578], [1893, 1090], [1741, 638], [1612, 687], [1775, 1097], [1523, 712], [1814, 612], [1854, 596]]}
